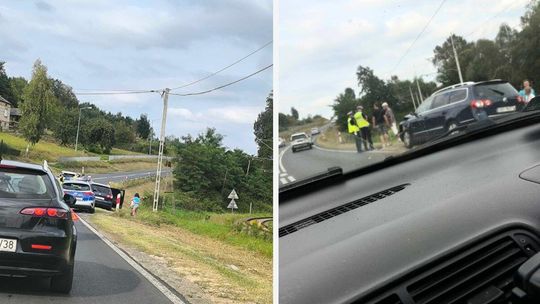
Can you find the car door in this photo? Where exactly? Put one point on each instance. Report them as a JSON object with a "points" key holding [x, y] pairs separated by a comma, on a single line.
{"points": [[417, 125], [435, 118]]}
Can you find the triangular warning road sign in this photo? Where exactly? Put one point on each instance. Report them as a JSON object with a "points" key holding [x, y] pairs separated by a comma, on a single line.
{"points": [[233, 195], [232, 205]]}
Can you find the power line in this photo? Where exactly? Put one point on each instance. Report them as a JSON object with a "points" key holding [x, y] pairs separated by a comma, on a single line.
{"points": [[489, 19], [225, 85], [418, 37], [222, 69], [117, 92]]}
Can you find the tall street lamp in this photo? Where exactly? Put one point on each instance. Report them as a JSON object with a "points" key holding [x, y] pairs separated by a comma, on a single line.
{"points": [[79, 126]]}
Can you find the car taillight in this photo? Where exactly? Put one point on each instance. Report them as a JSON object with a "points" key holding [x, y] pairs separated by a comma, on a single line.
{"points": [[41, 247], [45, 212], [89, 193], [109, 196], [480, 103]]}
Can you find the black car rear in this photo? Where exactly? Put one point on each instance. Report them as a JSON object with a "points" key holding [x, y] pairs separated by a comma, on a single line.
{"points": [[104, 196], [37, 235], [459, 105]]}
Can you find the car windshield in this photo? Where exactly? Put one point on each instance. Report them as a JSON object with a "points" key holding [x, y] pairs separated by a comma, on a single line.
{"points": [[25, 184], [386, 80], [76, 186]]}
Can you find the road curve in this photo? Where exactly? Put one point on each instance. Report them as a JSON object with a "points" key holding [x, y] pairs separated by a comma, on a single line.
{"points": [[303, 164]]}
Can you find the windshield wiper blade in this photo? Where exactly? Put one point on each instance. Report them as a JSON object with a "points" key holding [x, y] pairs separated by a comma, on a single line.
{"points": [[331, 172]]}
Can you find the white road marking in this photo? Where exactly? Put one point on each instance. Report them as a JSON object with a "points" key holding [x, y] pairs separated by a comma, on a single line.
{"points": [[166, 291], [283, 174], [292, 179], [283, 180], [281, 167]]}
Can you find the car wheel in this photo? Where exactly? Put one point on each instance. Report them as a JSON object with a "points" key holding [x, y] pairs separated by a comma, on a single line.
{"points": [[62, 283], [407, 140], [93, 210], [293, 150]]}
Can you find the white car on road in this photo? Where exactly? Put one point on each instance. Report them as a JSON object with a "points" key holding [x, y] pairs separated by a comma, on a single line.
{"points": [[300, 141]]}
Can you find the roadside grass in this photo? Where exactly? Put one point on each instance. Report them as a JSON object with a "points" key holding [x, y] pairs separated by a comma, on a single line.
{"points": [[105, 166], [318, 122], [228, 274], [219, 226], [329, 139], [42, 150]]}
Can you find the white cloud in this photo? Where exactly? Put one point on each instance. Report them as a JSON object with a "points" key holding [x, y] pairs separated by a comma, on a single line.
{"points": [[235, 114]]}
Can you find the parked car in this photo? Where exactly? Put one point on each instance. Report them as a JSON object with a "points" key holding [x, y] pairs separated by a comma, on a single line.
{"points": [[458, 105], [315, 131], [69, 175], [37, 234], [300, 141], [82, 192], [104, 196]]}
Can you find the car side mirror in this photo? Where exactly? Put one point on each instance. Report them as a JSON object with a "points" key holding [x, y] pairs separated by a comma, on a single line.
{"points": [[414, 114], [69, 200]]}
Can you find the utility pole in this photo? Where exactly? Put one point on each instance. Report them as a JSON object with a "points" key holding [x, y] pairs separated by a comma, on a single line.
{"points": [[457, 59], [421, 96], [165, 96], [249, 163], [412, 97], [78, 127]]}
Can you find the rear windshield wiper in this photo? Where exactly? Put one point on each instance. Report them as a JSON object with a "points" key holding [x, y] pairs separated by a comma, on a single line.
{"points": [[331, 172]]}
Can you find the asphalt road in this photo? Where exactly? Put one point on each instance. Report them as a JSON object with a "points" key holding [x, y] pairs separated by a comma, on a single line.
{"points": [[101, 276], [121, 176], [305, 163]]}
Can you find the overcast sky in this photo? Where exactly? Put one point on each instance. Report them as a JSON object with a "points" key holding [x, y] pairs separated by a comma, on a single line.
{"points": [[107, 45], [323, 42]]}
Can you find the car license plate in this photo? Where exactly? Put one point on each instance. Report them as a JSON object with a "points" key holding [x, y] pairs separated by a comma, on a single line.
{"points": [[8, 245], [506, 109], [79, 199]]}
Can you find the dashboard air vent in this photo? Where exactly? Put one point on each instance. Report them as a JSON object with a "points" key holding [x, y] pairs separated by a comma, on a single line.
{"points": [[328, 214], [486, 270]]}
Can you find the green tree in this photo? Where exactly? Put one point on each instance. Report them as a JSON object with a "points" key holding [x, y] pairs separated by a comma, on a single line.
{"points": [[123, 133], [526, 51], [446, 63], [99, 135], [5, 88], [62, 127], [143, 126], [64, 94], [39, 101], [344, 103], [18, 85], [294, 113], [263, 127]]}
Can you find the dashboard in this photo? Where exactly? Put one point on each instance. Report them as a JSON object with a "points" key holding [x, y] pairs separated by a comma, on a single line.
{"points": [[376, 237]]}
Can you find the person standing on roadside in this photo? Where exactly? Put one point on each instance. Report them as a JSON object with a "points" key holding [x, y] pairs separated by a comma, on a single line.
{"points": [[528, 94], [380, 121], [526, 87], [389, 113], [354, 130], [135, 202], [363, 124]]}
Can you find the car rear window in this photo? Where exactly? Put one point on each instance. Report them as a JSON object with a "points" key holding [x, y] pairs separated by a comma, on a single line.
{"points": [[494, 91], [25, 184], [76, 186], [102, 189], [300, 136]]}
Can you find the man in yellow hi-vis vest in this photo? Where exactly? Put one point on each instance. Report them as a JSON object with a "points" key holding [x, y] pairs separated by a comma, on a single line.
{"points": [[355, 131], [363, 125]]}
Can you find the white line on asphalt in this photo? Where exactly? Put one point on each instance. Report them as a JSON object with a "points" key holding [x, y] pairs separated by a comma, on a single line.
{"points": [[283, 181], [292, 179], [166, 291], [281, 167], [283, 174]]}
